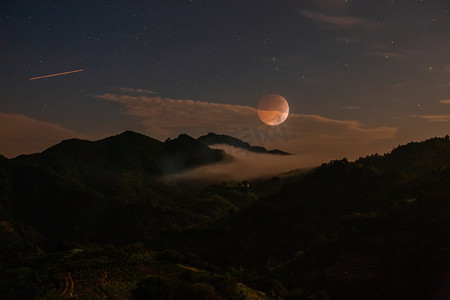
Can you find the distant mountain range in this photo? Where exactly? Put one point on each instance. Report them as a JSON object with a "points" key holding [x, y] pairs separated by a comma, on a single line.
{"points": [[212, 139], [133, 151], [106, 179]]}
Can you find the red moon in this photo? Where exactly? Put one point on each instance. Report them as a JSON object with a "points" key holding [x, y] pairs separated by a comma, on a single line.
{"points": [[273, 109]]}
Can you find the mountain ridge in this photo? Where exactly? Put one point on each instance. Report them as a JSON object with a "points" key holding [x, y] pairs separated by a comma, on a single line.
{"points": [[131, 136], [213, 138], [125, 151]]}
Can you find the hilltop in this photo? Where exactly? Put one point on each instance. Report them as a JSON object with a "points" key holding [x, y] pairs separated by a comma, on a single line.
{"points": [[212, 139]]}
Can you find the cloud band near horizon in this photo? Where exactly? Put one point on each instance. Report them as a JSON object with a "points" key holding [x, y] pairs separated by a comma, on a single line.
{"points": [[164, 117], [20, 134], [311, 136]]}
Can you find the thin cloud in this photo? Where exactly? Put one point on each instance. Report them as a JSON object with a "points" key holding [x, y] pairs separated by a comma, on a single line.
{"points": [[20, 134], [334, 20], [351, 107], [436, 118], [137, 91], [165, 117], [444, 85], [314, 137], [245, 165], [317, 129], [445, 101]]}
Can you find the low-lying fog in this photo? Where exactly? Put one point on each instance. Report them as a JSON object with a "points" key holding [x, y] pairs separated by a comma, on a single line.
{"points": [[246, 165]]}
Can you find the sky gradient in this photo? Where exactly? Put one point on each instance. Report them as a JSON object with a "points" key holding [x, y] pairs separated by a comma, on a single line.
{"points": [[360, 76]]}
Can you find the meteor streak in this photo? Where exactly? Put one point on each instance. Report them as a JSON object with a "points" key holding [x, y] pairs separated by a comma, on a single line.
{"points": [[57, 74]]}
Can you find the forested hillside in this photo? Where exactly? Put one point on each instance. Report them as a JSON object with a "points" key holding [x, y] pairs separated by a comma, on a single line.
{"points": [[97, 219]]}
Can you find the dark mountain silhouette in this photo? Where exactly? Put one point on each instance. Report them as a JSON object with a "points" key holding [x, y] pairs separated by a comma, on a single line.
{"points": [[187, 152], [96, 218], [346, 228], [77, 182], [134, 152], [212, 138], [126, 151]]}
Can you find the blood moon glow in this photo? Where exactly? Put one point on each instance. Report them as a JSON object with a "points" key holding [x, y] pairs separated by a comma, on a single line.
{"points": [[273, 109]]}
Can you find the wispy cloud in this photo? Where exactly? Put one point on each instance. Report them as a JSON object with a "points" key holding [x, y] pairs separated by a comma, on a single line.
{"points": [[310, 136], [445, 101], [20, 134], [335, 20], [164, 117], [137, 91], [246, 165], [351, 107], [443, 85], [436, 118], [317, 128]]}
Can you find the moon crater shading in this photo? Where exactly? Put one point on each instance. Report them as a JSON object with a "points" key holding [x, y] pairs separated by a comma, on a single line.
{"points": [[273, 109]]}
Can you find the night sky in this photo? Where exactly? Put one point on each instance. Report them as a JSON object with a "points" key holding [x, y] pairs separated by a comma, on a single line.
{"points": [[360, 76]]}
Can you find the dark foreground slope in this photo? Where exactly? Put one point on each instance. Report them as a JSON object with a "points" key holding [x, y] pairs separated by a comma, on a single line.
{"points": [[108, 190], [111, 190], [376, 228]]}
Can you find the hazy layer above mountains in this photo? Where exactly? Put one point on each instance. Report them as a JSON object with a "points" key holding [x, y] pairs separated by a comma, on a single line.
{"points": [[214, 139], [245, 165]]}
